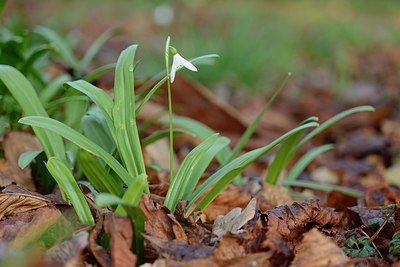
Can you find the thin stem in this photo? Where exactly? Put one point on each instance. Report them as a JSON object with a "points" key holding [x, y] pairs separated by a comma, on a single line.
{"points": [[171, 134]]}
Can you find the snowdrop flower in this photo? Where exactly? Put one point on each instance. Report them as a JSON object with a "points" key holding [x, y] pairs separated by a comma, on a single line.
{"points": [[179, 62]]}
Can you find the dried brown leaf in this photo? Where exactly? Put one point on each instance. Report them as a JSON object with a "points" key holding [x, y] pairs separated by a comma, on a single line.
{"points": [[229, 248], [69, 252], [46, 227], [159, 222], [15, 143], [228, 199], [317, 250], [99, 253], [271, 196], [175, 250], [119, 229], [285, 220], [15, 200], [234, 220]]}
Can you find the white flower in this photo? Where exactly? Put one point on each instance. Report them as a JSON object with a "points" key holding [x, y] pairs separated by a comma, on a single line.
{"points": [[179, 62]]}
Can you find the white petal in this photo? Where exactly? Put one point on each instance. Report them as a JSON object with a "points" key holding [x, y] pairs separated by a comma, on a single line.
{"points": [[173, 69], [185, 63]]}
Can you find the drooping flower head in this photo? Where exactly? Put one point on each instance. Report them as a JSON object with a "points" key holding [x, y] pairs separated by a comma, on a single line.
{"points": [[179, 62]]}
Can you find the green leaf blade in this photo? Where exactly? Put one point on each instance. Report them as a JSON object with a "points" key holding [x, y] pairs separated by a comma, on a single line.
{"points": [[62, 174]]}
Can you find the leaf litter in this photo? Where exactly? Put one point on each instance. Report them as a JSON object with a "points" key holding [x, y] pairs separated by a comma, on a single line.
{"points": [[251, 225]]}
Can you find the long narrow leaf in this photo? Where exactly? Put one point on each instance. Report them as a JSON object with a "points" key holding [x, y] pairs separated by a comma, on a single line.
{"points": [[53, 88], [322, 187], [27, 157], [98, 72], [35, 55], [67, 183], [22, 90], [282, 158], [160, 135], [126, 131], [95, 47], [134, 193], [192, 167], [99, 97], [305, 161], [332, 120], [250, 130], [223, 176], [81, 141], [203, 132], [60, 45], [97, 175]]}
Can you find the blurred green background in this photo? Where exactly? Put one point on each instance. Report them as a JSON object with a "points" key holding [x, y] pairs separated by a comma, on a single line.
{"points": [[258, 41]]}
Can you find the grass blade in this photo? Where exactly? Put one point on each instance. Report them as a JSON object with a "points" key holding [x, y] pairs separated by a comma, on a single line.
{"points": [[203, 132], [332, 120], [95, 47], [95, 127], [305, 161], [27, 157], [99, 97], [81, 141], [53, 88], [35, 55], [126, 131], [192, 167], [160, 135], [97, 175], [23, 92], [60, 45], [250, 130], [98, 72], [282, 158], [62, 174], [134, 193], [223, 176], [322, 187]]}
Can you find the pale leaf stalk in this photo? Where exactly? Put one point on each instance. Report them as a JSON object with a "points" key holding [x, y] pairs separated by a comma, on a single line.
{"points": [[171, 134]]}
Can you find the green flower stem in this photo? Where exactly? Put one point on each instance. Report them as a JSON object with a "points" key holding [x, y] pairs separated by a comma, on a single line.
{"points": [[171, 134]]}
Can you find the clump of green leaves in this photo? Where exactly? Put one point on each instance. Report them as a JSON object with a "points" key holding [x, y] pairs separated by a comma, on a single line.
{"points": [[359, 247], [394, 245]]}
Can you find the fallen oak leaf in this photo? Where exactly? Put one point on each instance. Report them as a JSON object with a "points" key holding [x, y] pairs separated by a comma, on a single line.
{"points": [[15, 143], [234, 220], [159, 222], [285, 220], [15, 200], [119, 229], [324, 251]]}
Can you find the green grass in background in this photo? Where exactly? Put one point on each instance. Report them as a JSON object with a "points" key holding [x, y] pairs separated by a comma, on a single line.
{"points": [[258, 41]]}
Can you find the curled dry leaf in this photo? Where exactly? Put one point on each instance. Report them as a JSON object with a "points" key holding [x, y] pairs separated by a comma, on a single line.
{"points": [[159, 222], [119, 229], [231, 197], [285, 220], [99, 253], [234, 220], [324, 251], [69, 252], [272, 196], [15, 200], [45, 228], [15, 143]]}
